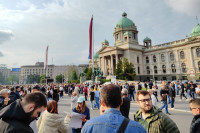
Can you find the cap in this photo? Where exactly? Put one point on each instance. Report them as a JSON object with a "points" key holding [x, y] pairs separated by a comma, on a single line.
{"points": [[80, 99]]}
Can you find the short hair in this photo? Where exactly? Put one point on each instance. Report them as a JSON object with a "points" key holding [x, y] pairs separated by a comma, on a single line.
{"points": [[52, 107], [142, 92], [3, 91], [124, 91], [12, 89], [37, 98], [195, 101], [111, 95], [37, 87]]}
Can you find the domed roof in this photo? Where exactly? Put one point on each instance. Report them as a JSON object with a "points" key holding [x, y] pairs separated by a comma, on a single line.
{"points": [[105, 41], [125, 22], [127, 33], [147, 39], [96, 56], [195, 31]]}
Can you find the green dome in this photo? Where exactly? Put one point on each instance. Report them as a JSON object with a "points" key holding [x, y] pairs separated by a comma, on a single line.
{"points": [[96, 56], [127, 33], [105, 41], [147, 39], [124, 22], [195, 31]]}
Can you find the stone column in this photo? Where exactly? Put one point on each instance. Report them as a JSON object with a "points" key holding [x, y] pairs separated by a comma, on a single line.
{"points": [[159, 63], [191, 57], [104, 68], [116, 60], [100, 62], [167, 64], [111, 60], [177, 64]]}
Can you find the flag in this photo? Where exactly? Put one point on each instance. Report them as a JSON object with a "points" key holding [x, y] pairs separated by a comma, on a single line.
{"points": [[46, 59], [90, 39]]}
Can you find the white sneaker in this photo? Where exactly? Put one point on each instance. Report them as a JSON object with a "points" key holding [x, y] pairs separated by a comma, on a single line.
{"points": [[180, 100]]}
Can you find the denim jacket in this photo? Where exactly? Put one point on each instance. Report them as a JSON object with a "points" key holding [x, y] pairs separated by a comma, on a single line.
{"points": [[110, 122]]}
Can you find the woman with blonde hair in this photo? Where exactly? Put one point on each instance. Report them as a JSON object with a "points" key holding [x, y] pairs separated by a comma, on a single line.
{"points": [[51, 122]]}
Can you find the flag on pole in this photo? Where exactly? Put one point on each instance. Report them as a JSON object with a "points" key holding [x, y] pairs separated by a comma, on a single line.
{"points": [[90, 39], [46, 59]]}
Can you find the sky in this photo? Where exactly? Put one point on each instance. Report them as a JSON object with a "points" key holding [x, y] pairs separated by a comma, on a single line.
{"points": [[28, 26]]}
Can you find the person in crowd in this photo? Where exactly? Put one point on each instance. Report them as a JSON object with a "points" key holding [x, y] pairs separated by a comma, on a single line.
{"points": [[97, 95], [74, 99], [111, 119], [195, 108], [92, 98], [131, 91], [192, 87], [155, 91], [4, 98], [150, 85], [13, 95], [85, 91], [49, 94], [176, 87], [77, 90], [61, 91], [153, 97], [187, 87], [36, 88], [145, 85], [125, 107], [50, 121], [139, 86], [172, 94], [151, 117], [197, 89], [81, 108], [56, 94], [16, 117], [182, 88], [18, 89], [163, 94], [167, 90]]}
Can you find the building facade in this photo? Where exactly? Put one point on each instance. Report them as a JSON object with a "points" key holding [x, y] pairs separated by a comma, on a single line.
{"points": [[177, 60]]}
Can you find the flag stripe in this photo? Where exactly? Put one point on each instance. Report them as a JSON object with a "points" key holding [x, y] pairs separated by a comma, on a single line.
{"points": [[90, 39]]}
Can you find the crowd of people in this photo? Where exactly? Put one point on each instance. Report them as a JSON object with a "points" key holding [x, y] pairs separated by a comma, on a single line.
{"points": [[22, 105]]}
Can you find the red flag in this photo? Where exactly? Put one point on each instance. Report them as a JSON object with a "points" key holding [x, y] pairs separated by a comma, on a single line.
{"points": [[90, 39]]}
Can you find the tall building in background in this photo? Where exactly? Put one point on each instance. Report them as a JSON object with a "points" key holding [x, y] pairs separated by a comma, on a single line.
{"points": [[5, 71]]}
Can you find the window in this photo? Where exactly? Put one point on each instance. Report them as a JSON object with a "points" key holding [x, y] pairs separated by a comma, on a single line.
{"points": [[183, 67], [162, 57], [147, 59], [154, 58], [155, 69], [164, 68], [198, 52], [173, 68], [148, 70], [138, 59], [138, 70], [125, 38], [199, 65], [182, 55], [171, 56], [134, 35], [118, 38]]}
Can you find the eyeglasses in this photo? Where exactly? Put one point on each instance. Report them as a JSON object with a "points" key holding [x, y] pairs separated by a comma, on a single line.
{"points": [[145, 100]]}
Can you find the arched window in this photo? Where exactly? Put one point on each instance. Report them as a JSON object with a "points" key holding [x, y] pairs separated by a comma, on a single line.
{"points": [[138, 70], [147, 59], [148, 70], [138, 59], [173, 68], [199, 65], [155, 69], [182, 55], [171, 56], [183, 67], [154, 58], [162, 57], [198, 52], [164, 68]]}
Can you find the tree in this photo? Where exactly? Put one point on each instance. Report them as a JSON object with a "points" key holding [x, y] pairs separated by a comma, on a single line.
{"points": [[74, 76], [125, 70], [2, 79], [60, 78], [31, 79], [89, 74], [86, 70], [12, 79], [42, 78]]}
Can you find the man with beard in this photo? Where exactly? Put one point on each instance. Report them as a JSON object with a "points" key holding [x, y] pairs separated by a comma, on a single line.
{"points": [[151, 117], [16, 117]]}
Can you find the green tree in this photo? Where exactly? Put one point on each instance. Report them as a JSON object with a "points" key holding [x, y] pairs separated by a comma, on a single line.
{"points": [[86, 70], [42, 78], [12, 79], [89, 74], [31, 79], [74, 76], [2, 79], [60, 78], [125, 70]]}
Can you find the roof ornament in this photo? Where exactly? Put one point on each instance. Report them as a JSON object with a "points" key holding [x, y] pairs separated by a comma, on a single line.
{"points": [[124, 15]]}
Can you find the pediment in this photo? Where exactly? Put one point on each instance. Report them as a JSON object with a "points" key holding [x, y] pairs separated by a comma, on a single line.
{"points": [[106, 49]]}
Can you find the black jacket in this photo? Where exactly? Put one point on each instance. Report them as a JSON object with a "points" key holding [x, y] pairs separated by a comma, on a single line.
{"points": [[125, 107], [13, 119], [172, 92], [195, 125]]}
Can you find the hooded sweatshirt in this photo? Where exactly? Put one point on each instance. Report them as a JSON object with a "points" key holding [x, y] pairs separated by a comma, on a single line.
{"points": [[13, 119]]}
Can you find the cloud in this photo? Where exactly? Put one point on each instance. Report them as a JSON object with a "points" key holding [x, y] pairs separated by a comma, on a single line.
{"points": [[1, 55], [189, 7], [5, 35]]}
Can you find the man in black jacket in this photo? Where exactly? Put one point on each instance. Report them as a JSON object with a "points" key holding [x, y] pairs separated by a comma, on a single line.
{"points": [[16, 117], [172, 94], [125, 107], [195, 108]]}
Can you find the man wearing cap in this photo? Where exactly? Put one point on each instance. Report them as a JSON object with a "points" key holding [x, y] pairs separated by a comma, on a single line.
{"points": [[111, 120], [125, 107]]}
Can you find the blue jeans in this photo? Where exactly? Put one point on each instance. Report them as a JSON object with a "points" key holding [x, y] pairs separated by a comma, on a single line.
{"points": [[92, 104], [48, 99], [97, 102], [177, 91], [169, 100], [172, 102], [193, 94], [165, 105], [188, 94]]}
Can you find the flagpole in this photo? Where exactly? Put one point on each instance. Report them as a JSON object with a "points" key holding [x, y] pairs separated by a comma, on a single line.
{"points": [[93, 49]]}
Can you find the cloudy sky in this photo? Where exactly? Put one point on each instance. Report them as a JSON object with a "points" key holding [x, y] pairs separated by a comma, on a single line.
{"points": [[28, 26]]}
